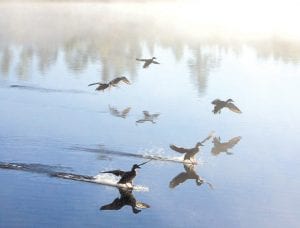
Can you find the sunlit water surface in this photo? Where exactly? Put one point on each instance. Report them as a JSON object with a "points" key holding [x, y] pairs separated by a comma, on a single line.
{"points": [[49, 53]]}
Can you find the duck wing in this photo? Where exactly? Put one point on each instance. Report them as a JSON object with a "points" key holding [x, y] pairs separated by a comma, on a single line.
{"points": [[96, 83], [117, 204], [115, 81], [179, 179], [232, 142], [143, 60], [116, 172], [178, 149], [102, 86], [146, 64], [233, 108], [155, 115], [126, 111]]}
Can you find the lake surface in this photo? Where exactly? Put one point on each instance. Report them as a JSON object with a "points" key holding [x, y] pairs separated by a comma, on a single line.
{"points": [[50, 52]]}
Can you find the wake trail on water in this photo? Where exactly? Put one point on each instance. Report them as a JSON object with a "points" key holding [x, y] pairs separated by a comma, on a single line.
{"points": [[149, 154], [52, 171], [47, 90], [33, 167]]}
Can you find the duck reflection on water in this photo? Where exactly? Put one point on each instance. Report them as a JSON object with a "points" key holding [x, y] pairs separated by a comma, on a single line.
{"points": [[148, 62], [148, 117], [114, 83], [126, 198], [189, 174], [219, 105], [224, 147], [115, 112]]}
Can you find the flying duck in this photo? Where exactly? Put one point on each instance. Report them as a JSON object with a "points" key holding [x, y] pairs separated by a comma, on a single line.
{"points": [[127, 176], [219, 105], [148, 62], [189, 173], [148, 117], [126, 198], [123, 114], [223, 147], [114, 82]]}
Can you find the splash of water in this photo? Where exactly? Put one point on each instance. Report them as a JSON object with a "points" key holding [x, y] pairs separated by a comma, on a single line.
{"points": [[111, 180]]}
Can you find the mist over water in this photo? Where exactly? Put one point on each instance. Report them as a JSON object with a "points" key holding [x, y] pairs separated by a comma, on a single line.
{"points": [[247, 172]]}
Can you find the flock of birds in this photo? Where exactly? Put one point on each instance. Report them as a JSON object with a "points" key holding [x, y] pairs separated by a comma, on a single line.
{"points": [[189, 160]]}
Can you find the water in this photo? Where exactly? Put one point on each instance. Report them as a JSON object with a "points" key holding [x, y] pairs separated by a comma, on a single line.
{"points": [[50, 52]]}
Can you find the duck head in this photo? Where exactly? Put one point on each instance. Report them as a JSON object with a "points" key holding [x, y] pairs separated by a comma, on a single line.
{"points": [[199, 144], [229, 100], [124, 79], [199, 181], [135, 166]]}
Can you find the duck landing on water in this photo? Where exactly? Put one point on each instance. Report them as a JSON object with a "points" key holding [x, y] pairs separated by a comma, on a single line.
{"points": [[190, 153], [114, 83], [219, 105], [148, 62], [127, 176]]}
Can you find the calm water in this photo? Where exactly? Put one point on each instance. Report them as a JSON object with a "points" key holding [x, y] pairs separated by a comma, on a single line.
{"points": [[50, 53]]}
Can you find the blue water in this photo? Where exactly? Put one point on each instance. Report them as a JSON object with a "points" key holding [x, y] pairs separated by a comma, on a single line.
{"points": [[51, 117]]}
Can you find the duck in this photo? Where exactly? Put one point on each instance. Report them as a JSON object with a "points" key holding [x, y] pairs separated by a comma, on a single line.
{"points": [[123, 114], [126, 198], [189, 153], [148, 62], [126, 176], [219, 105], [148, 117], [114, 83], [223, 147], [189, 174]]}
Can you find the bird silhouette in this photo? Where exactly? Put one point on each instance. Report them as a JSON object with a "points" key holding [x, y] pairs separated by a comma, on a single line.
{"points": [[224, 147], [127, 176], [189, 153], [123, 114], [148, 62], [189, 174], [114, 83], [148, 117], [126, 198], [219, 105]]}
